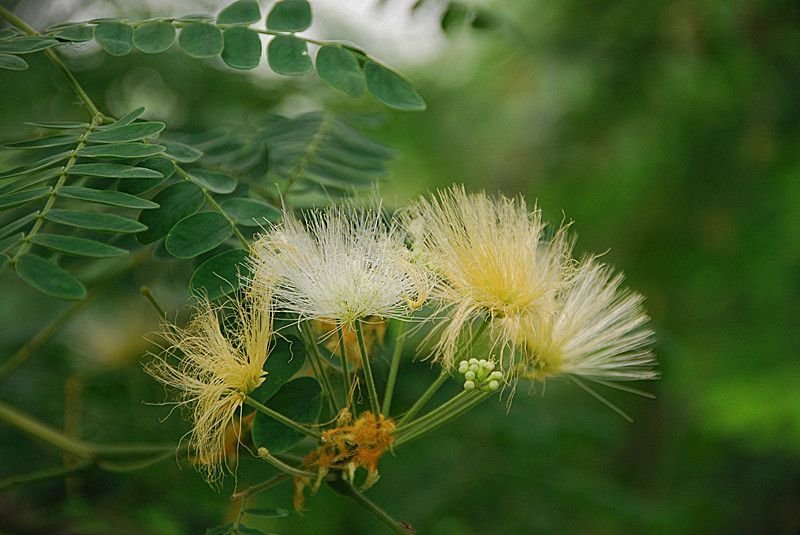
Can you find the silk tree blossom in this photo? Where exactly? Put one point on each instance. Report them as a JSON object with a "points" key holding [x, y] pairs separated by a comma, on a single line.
{"points": [[597, 332], [216, 368], [492, 261], [342, 265]]}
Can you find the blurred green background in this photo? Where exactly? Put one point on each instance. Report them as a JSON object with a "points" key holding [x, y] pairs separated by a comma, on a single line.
{"points": [[669, 131]]}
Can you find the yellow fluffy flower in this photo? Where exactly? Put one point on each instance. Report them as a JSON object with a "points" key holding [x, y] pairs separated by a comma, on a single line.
{"points": [[217, 367], [597, 332], [493, 262]]}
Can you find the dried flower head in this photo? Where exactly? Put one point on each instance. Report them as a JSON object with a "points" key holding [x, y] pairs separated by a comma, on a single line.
{"points": [[217, 367], [344, 265], [596, 332], [492, 260]]}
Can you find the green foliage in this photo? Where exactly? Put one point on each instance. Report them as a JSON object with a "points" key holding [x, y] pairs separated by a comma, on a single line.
{"points": [[289, 16], [219, 275], [197, 233], [154, 37], [288, 55], [116, 38]]}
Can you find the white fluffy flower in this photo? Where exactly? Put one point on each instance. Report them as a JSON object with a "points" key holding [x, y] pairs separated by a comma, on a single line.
{"points": [[343, 265]]}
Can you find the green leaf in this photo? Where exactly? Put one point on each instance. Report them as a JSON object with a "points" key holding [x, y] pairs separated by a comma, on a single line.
{"points": [[42, 142], [240, 12], [95, 221], [220, 274], [288, 55], [110, 197], [8, 33], [289, 16], [35, 166], [268, 512], [58, 125], [213, 180], [284, 361], [11, 241], [18, 224], [121, 150], [485, 20], [196, 17], [126, 119], [339, 68], [392, 89], [180, 152], [242, 48], [195, 234], [116, 38], [15, 199], [77, 34], [225, 529], [48, 278], [77, 246], [156, 163], [113, 170], [26, 45], [250, 212], [128, 132], [246, 530], [154, 37], [12, 63], [300, 400], [175, 202], [201, 40]]}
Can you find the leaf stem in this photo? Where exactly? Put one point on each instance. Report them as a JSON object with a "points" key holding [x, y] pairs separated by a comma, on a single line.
{"points": [[260, 487], [395, 365], [424, 398], [441, 418], [264, 454], [345, 368], [281, 418], [43, 475], [371, 391], [346, 489]]}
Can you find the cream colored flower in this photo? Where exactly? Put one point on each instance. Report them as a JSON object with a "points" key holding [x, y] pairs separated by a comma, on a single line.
{"points": [[597, 332], [343, 265], [217, 367], [493, 263]]}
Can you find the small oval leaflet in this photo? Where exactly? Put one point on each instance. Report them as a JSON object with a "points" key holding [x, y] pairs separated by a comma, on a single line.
{"points": [[77, 246], [175, 202], [121, 150], [339, 68], [95, 221], [113, 170], [288, 55], [116, 38], [103, 196], [213, 180], [201, 40], [48, 278], [26, 45], [219, 275], [392, 89], [181, 152], [195, 234], [240, 12], [128, 132], [154, 37], [289, 16], [12, 63], [242, 48]]}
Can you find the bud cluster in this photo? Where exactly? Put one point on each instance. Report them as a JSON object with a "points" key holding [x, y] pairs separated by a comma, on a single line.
{"points": [[480, 375]]}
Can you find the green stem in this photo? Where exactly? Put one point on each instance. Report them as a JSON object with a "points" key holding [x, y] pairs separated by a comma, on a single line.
{"points": [[282, 419], [261, 487], [371, 391], [424, 398], [43, 432], [441, 419], [39, 476], [265, 455], [345, 367], [319, 366], [444, 407], [346, 489], [147, 294], [73, 83], [398, 351]]}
